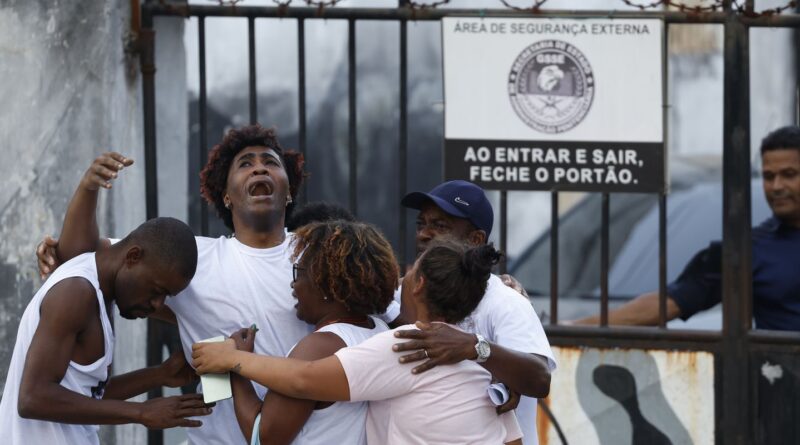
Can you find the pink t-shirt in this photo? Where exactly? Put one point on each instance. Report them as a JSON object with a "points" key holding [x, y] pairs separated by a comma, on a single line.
{"points": [[445, 405]]}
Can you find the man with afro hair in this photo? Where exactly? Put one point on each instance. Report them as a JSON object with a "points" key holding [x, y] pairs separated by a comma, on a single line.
{"points": [[241, 280]]}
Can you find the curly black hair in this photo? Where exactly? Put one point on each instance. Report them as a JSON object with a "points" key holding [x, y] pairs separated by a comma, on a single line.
{"points": [[456, 275], [214, 176], [350, 262]]}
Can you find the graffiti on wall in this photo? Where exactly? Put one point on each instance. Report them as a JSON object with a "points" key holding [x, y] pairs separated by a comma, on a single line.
{"points": [[629, 397]]}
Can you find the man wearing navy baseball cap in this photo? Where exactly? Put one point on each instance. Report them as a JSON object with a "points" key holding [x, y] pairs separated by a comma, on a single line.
{"points": [[503, 333], [457, 208]]}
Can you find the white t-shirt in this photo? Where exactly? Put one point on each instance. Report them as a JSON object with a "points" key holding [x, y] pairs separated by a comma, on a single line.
{"points": [[87, 380], [445, 405], [342, 422], [393, 310], [506, 318], [234, 287]]}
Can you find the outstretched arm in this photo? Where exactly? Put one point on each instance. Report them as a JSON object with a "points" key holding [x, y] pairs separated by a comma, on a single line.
{"points": [[641, 311], [79, 233], [696, 288], [520, 354], [282, 417], [65, 312], [173, 373], [323, 379], [441, 344]]}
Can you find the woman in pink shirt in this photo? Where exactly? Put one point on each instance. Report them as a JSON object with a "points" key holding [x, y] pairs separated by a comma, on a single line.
{"points": [[445, 405]]}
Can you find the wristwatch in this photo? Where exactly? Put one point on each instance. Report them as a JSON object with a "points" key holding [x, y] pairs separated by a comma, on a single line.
{"points": [[482, 348]]}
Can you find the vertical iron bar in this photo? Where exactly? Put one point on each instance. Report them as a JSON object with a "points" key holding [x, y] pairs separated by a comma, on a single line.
{"points": [[554, 257], [251, 47], [662, 260], [796, 40], [504, 230], [662, 196], [203, 115], [604, 254], [736, 248], [403, 146], [353, 135], [148, 69], [301, 96]]}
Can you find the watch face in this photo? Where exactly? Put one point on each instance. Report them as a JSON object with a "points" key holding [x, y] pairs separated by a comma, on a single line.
{"points": [[483, 350]]}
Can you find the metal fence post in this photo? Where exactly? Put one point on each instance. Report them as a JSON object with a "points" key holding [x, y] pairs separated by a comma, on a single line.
{"points": [[736, 262], [148, 69], [734, 391]]}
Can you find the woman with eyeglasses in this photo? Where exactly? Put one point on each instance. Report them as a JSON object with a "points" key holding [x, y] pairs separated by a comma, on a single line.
{"points": [[445, 405], [342, 273]]}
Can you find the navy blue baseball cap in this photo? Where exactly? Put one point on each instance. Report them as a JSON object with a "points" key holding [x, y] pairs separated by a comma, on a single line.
{"points": [[461, 199]]}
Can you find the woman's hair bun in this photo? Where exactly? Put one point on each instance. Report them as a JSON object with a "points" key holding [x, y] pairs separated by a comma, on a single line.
{"points": [[478, 261]]}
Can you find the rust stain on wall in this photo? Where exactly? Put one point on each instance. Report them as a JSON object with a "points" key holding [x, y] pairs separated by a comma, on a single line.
{"points": [[543, 421]]}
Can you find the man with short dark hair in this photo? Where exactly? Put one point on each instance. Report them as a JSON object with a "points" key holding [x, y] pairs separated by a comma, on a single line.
{"points": [[319, 211], [775, 254], [503, 333], [58, 388]]}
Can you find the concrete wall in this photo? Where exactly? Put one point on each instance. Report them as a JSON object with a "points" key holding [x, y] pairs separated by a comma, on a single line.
{"points": [[70, 92]]}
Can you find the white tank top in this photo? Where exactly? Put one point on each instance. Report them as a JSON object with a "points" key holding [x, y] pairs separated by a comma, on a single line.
{"points": [[342, 422], [88, 380]]}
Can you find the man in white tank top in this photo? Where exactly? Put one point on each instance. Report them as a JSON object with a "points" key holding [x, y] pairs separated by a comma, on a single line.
{"points": [[58, 388], [503, 333]]}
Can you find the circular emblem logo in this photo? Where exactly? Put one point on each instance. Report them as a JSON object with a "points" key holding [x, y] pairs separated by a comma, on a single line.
{"points": [[551, 86]]}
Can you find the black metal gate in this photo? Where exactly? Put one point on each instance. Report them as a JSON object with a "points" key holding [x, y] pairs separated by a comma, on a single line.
{"points": [[744, 412]]}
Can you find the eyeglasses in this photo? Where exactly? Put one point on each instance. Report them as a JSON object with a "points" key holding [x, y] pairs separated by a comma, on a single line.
{"points": [[295, 268]]}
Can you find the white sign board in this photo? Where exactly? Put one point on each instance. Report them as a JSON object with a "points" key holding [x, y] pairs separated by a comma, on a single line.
{"points": [[540, 103]]}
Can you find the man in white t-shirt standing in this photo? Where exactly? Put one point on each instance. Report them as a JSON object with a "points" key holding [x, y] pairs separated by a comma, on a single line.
{"points": [[503, 333]]}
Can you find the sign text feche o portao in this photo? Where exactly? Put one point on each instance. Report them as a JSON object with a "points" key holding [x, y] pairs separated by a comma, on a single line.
{"points": [[555, 104]]}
